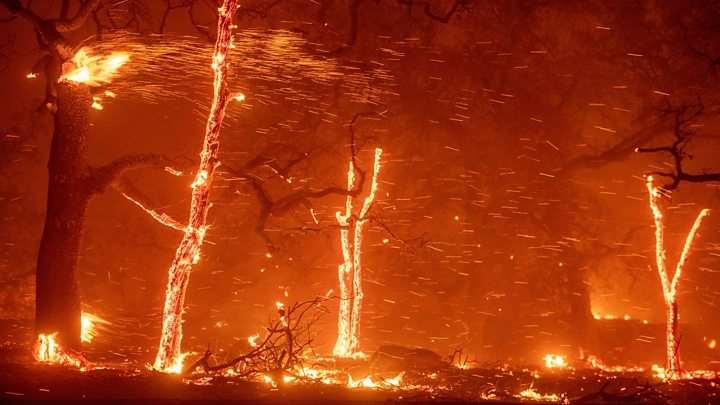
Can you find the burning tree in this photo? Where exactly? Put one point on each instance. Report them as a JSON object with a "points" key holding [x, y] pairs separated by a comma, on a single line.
{"points": [[169, 357], [350, 271], [72, 81], [670, 285]]}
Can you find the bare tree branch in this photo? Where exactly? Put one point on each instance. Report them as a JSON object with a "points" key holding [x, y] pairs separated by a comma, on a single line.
{"points": [[270, 207], [683, 117], [286, 338], [132, 194], [86, 9], [439, 17], [103, 176]]}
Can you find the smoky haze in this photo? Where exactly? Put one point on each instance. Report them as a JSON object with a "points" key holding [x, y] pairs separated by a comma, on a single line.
{"points": [[511, 206]]}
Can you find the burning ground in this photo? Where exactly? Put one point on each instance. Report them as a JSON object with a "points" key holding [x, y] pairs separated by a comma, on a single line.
{"points": [[392, 374]]}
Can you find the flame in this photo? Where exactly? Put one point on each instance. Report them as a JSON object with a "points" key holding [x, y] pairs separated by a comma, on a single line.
{"points": [[48, 351], [351, 295], [368, 382], [252, 340], [666, 375], [555, 361], [89, 326], [93, 70], [96, 104], [169, 357], [669, 286], [597, 363], [533, 395]]}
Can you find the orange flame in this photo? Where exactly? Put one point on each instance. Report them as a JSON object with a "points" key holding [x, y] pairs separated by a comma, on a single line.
{"points": [[90, 324], [669, 286], [351, 295], [169, 357], [93, 70], [48, 351], [555, 361]]}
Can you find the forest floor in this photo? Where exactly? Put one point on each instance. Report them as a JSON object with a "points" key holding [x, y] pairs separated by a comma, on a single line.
{"points": [[24, 380], [35, 382]]}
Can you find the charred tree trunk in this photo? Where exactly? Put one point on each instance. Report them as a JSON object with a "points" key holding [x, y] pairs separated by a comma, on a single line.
{"points": [[57, 294]]}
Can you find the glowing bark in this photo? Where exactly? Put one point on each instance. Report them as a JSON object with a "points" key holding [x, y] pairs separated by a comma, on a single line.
{"points": [[345, 272], [169, 357], [350, 272], [669, 286], [57, 308]]}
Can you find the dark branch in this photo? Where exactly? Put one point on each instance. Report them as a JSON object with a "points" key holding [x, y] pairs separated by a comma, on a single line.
{"points": [[683, 117], [86, 10], [439, 17], [103, 176]]}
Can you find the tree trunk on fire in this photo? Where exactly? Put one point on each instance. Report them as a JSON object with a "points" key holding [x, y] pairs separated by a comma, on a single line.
{"points": [[673, 339], [57, 294]]}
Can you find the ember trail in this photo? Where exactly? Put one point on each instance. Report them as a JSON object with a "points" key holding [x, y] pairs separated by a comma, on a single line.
{"points": [[345, 201]]}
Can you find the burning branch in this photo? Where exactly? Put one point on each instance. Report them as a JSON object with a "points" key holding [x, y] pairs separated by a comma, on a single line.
{"points": [[287, 337], [670, 286], [124, 188], [169, 357]]}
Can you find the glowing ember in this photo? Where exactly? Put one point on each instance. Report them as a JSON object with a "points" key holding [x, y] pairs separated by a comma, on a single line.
{"points": [[169, 356], [89, 326], [597, 363], [555, 361], [350, 272], [532, 395], [48, 351], [368, 382], [92, 69], [664, 374], [669, 286]]}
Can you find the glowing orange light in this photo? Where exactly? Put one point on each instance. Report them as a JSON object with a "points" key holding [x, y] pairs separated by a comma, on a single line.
{"points": [[350, 271], [555, 361], [669, 286], [89, 326], [48, 351], [532, 395], [169, 357], [91, 69], [368, 382]]}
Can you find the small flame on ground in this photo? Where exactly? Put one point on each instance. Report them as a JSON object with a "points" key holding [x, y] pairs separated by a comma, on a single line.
{"points": [[48, 351], [531, 394], [555, 361], [368, 382]]}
